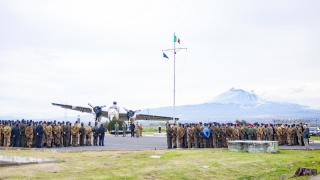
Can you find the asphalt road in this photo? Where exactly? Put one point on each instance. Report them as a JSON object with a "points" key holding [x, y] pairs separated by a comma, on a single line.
{"points": [[147, 142]]}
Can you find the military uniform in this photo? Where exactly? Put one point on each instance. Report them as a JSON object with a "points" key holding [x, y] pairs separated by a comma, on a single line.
{"points": [[290, 136], [29, 135], [82, 133], [49, 135], [140, 130], [299, 135], [22, 127], [75, 134], [189, 137], [137, 130], [180, 134], [124, 129], [174, 137], [95, 135], [169, 132], [88, 135], [6, 136], [57, 134], [116, 130], [196, 132], [44, 138]]}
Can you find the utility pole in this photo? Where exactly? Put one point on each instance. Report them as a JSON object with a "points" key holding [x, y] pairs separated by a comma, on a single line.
{"points": [[175, 50]]}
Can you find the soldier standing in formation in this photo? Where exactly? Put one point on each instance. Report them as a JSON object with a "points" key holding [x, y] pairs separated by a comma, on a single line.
{"points": [[75, 134], [95, 134], [29, 135], [137, 130], [88, 134], [116, 129], [82, 134], [169, 132], [124, 129]]}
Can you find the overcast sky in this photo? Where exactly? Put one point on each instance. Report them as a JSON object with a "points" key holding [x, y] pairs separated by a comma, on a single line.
{"points": [[77, 52]]}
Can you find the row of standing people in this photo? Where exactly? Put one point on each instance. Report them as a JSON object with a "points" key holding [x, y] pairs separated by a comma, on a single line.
{"points": [[48, 134], [216, 135], [135, 129]]}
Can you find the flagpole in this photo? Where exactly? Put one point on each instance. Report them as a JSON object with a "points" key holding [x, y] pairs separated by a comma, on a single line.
{"points": [[174, 79], [174, 71]]}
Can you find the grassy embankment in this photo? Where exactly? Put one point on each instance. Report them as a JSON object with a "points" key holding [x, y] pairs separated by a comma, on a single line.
{"points": [[173, 164], [315, 138]]}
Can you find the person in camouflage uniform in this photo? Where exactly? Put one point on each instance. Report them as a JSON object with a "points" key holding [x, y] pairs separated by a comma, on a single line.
{"points": [[95, 134], [6, 135], [189, 136], [137, 130], [174, 137], [196, 132], [242, 132], [250, 132], [82, 133], [180, 134], [22, 127], [89, 134], [44, 138], [57, 134], [140, 130], [29, 135], [290, 135], [169, 132], [229, 133], [75, 134], [48, 131], [299, 134]]}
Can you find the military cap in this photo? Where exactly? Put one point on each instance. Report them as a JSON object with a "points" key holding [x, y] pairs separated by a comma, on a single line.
{"points": [[200, 122]]}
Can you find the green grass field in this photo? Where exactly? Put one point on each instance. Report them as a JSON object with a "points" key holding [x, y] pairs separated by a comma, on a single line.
{"points": [[315, 138], [173, 164]]}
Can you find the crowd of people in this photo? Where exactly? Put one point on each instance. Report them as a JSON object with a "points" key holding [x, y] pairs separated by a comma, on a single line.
{"points": [[216, 135], [28, 133]]}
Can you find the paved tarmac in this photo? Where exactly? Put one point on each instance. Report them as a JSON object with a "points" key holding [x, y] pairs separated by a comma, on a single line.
{"points": [[147, 142]]}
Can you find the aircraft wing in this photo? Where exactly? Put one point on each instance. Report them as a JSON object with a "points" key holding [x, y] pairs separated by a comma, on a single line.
{"points": [[123, 116], [154, 118], [76, 108]]}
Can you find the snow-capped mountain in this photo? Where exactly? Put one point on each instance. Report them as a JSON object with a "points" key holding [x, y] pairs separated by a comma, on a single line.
{"points": [[236, 104], [237, 96]]}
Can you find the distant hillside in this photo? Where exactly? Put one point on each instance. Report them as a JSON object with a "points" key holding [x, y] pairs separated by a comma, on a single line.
{"points": [[237, 104]]}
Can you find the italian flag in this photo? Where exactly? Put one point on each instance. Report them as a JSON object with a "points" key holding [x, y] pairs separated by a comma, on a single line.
{"points": [[176, 39]]}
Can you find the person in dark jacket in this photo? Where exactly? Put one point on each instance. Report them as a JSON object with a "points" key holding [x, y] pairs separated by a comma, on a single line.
{"points": [[15, 133], [39, 134], [132, 127], [306, 136], [101, 132]]}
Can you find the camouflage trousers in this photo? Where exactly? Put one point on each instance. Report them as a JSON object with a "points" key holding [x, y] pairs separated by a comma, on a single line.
{"points": [[88, 140], [6, 142], [49, 140], [200, 142], [214, 142], [275, 138], [299, 141], [58, 140], [279, 139], [44, 139], [174, 142], [0, 140], [195, 142], [190, 142], [179, 142], [290, 140], [137, 132], [75, 140], [29, 142]]}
